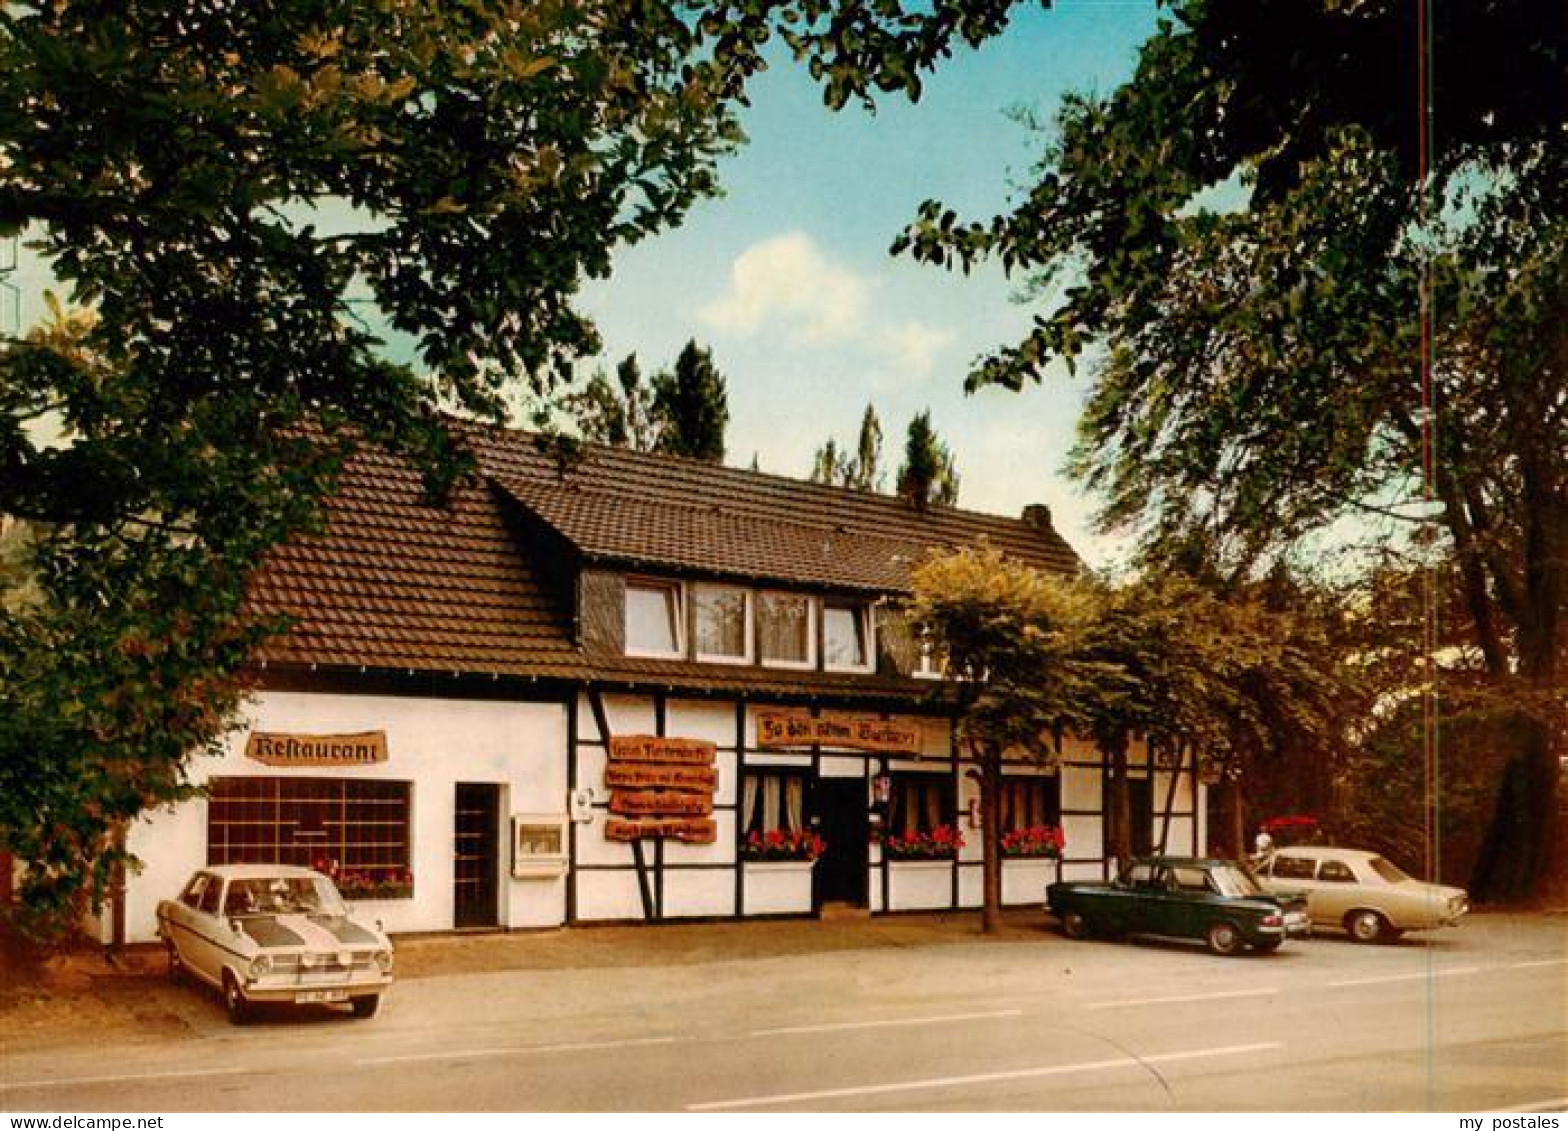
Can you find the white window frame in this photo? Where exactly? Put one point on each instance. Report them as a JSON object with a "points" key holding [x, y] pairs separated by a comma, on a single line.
{"points": [[679, 591], [812, 612], [927, 666], [868, 627], [748, 626]]}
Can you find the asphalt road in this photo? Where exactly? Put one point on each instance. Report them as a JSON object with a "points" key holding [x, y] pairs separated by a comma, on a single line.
{"points": [[1467, 1020]]}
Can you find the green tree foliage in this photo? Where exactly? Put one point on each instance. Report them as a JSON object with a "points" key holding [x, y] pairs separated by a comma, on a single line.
{"points": [[927, 477], [691, 407], [618, 414], [860, 471], [1257, 367], [221, 185], [1013, 638]]}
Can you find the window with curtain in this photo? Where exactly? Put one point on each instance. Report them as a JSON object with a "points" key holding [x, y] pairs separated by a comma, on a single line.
{"points": [[1030, 803], [920, 803], [847, 635], [653, 619], [772, 801], [784, 629], [722, 632]]}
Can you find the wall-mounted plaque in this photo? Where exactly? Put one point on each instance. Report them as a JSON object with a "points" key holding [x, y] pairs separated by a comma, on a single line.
{"points": [[317, 750]]}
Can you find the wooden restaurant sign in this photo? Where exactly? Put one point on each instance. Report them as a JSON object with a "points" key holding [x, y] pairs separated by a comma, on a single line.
{"points": [[661, 789], [778, 730], [316, 750]]}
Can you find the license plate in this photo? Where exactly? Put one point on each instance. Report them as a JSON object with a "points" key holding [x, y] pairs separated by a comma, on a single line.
{"points": [[1295, 919], [307, 997]]}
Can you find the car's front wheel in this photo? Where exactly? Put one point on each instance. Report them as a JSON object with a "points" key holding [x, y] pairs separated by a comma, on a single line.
{"points": [[366, 1006], [1074, 925], [1367, 926], [1224, 938], [235, 1004]]}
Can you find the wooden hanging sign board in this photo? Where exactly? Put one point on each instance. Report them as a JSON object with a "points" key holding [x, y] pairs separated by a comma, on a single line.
{"points": [[688, 779], [781, 730], [691, 830], [661, 789], [660, 803], [662, 751]]}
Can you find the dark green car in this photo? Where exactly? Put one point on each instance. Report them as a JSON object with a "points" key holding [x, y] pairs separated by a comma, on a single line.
{"points": [[1218, 901]]}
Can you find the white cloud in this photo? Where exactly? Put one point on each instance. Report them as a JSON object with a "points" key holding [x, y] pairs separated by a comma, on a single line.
{"points": [[787, 283], [913, 346]]}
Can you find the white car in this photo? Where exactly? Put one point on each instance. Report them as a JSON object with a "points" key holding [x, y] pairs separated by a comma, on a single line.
{"points": [[274, 933], [1361, 892]]}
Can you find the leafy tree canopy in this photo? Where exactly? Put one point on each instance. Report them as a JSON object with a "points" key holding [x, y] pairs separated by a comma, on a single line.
{"points": [[928, 475], [691, 407], [224, 187]]}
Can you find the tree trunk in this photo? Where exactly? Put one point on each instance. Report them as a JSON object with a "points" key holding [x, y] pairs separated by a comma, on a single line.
{"points": [[991, 838], [1522, 856]]}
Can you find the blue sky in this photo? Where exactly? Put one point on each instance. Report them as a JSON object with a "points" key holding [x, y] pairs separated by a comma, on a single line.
{"points": [[788, 280]]}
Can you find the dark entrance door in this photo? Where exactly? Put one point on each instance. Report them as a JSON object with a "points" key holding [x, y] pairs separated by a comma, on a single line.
{"points": [[841, 873], [1140, 794], [476, 856]]}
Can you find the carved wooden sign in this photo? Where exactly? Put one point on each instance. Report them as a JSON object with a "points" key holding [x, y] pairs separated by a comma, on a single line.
{"points": [[660, 803], [661, 789], [777, 730], [317, 750], [688, 779], [691, 830], [662, 751]]}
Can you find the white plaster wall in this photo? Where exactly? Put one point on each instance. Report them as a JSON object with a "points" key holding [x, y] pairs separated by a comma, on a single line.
{"points": [[1178, 841], [1081, 787], [696, 718], [433, 743], [1023, 881], [705, 893], [778, 888], [971, 886], [608, 895], [839, 766], [1084, 836], [920, 885]]}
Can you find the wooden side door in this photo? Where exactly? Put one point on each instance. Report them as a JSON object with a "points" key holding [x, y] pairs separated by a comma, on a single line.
{"points": [[476, 855]]}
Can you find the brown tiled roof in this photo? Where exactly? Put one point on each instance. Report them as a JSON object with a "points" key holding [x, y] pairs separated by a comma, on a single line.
{"points": [[681, 514], [395, 584]]}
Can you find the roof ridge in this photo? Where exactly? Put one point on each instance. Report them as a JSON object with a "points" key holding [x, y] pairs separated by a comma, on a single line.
{"points": [[874, 498]]}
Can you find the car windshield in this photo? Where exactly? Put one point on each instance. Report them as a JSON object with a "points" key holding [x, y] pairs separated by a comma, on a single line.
{"points": [[283, 895], [1234, 881], [1387, 870]]}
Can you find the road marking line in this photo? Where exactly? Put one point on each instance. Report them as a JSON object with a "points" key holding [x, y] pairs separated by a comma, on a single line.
{"points": [[983, 1078], [1418, 977], [1547, 962], [1173, 1000], [67, 1081], [846, 1025], [515, 1050]]}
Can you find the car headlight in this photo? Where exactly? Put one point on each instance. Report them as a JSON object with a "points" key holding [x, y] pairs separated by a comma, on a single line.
{"points": [[384, 961], [260, 966]]}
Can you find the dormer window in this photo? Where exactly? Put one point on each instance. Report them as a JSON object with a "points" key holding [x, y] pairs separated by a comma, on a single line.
{"points": [[847, 636], [654, 620], [786, 630], [722, 629]]}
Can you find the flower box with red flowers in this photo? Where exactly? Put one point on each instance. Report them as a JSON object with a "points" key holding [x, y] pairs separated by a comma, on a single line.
{"points": [[940, 843], [779, 845], [1038, 841]]}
